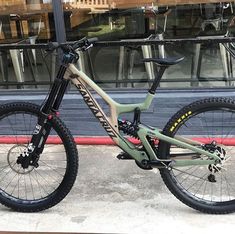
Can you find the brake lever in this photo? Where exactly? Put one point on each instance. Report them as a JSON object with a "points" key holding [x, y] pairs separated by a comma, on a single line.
{"points": [[85, 48], [85, 44]]}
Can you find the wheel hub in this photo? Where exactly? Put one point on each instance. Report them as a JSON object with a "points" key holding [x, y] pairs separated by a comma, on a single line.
{"points": [[19, 164]]}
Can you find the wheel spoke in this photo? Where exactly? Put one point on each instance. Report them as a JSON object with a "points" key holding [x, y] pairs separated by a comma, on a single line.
{"points": [[29, 184], [211, 121]]}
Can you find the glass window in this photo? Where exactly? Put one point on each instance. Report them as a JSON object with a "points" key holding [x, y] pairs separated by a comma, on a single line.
{"points": [[205, 64], [25, 22]]}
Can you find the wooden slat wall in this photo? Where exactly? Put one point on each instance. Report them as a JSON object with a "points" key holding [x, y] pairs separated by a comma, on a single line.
{"points": [[136, 3], [12, 2]]}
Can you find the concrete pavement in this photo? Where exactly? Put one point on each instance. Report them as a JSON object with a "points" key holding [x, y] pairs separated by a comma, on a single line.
{"points": [[112, 196]]}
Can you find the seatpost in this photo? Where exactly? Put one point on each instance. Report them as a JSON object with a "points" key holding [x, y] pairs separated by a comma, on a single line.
{"points": [[157, 79]]}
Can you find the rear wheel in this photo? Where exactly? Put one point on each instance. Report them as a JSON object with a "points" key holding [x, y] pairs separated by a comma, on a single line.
{"points": [[211, 123], [30, 188]]}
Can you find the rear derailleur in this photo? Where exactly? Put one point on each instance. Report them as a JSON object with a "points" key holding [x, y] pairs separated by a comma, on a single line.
{"points": [[215, 168]]}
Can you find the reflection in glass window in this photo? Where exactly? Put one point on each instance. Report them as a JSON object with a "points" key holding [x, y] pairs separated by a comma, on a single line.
{"points": [[205, 65], [25, 22]]}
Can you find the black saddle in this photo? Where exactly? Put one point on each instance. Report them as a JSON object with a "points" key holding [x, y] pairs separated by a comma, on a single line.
{"points": [[164, 61]]}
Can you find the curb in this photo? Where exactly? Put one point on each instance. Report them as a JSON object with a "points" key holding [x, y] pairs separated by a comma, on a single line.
{"points": [[102, 140], [98, 140]]}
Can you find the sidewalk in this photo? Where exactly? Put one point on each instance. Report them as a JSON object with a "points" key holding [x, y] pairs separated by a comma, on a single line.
{"points": [[113, 196]]}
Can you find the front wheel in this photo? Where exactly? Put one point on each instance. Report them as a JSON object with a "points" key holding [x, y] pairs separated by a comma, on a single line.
{"points": [[211, 123], [32, 188]]}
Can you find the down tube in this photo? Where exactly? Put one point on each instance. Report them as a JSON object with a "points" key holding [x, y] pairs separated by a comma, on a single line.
{"points": [[110, 124]]}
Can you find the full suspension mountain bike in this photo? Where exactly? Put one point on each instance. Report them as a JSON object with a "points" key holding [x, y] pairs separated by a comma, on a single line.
{"points": [[194, 152]]}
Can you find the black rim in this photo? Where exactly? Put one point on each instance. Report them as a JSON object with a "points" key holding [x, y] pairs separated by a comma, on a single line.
{"points": [[31, 184]]}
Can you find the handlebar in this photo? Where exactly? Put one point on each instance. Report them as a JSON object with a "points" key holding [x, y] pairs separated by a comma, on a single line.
{"points": [[82, 44]]}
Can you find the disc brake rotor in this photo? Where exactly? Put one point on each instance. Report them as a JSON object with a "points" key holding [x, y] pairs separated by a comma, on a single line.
{"points": [[12, 157]]}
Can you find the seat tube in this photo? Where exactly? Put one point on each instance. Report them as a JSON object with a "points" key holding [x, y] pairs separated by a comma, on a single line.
{"points": [[157, 79]]}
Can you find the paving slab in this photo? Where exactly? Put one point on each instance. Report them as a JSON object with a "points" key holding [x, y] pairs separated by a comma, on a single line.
{"points": [[113, 196]]}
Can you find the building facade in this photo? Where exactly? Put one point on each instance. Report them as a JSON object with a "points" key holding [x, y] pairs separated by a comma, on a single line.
{"points": [[206, 65], [27, 74]]}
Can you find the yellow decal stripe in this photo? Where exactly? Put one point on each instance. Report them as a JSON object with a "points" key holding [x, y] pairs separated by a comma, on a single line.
{"points": [[180, 120]]}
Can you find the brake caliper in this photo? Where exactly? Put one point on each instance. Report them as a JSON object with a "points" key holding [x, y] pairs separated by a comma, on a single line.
{"points": [[27, 158]]}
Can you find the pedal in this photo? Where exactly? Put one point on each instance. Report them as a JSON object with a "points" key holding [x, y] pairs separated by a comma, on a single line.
{"points": [[124, 156]]}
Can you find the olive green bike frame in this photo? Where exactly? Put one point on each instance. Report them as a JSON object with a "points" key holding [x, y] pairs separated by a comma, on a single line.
{"points": [[110, 124]]}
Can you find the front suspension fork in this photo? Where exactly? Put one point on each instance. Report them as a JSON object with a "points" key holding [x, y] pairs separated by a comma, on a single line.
{"points": [[48, 110], [43, 127], [38, 140]]}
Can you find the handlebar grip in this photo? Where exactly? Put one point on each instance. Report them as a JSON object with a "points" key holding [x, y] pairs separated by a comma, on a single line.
{"points": [[93, 40], [83, 44]]}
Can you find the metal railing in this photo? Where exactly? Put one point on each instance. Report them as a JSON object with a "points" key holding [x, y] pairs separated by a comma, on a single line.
{"points": [[43, 46]]}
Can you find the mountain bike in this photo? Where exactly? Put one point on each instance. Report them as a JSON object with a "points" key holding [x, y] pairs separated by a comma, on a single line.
{"points": [[194, 151]]}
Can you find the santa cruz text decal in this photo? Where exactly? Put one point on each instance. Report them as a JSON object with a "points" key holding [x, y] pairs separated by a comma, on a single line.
{"points": [[95, 109]]}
